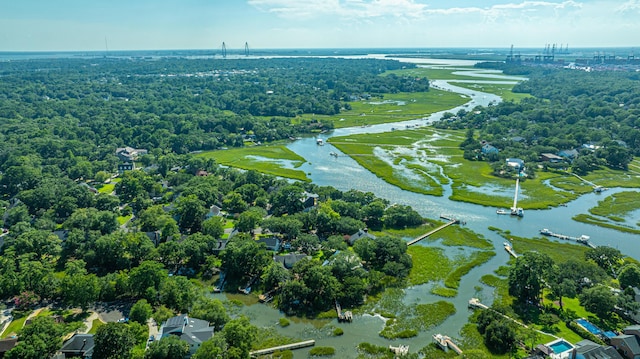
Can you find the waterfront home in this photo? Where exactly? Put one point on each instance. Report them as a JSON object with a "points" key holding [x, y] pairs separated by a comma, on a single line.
{"points": [[191, 330], [586, 349], [78, 346], [487, 149], [359, 235]]}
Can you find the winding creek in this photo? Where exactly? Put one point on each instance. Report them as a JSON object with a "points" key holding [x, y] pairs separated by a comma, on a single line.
{"points": [[344, 173]]}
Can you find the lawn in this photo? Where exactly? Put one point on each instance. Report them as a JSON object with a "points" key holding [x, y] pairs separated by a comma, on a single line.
{"points": [[97, 323], [107, 188], [15, 325], [275, 160], [124, 219]]}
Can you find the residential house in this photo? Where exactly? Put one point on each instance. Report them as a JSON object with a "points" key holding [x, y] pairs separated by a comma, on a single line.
{"points": [[289, 259], [627, 345], [550, 157], [309, 200], [78, 346], [488, 149], [191, 330], [570, 154], [363, 233], [130, 154], [214, 211], [272, 243], [586, 349], [6, 345], [516, 163], [125, 166]]}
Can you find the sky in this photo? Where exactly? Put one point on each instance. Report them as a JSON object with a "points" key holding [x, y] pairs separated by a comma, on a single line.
{"points": [[93, 25]]}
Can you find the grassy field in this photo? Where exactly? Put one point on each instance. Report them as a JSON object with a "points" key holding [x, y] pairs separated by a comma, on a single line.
{"points": [[393, 108], [271, 159], [616, 205]]}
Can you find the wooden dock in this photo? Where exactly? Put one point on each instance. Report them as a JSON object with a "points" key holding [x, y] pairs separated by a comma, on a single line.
{"points": [[583, 239], [345, 316], [509, 249], [418, 239], [293, 346], [445, 343]]}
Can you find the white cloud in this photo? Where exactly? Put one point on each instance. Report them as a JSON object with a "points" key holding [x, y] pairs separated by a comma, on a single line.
{"points": [[411, 9]]}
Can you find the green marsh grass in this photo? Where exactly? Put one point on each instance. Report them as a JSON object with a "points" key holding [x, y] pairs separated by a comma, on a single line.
{"points": [[240, 158], [376, 110]]}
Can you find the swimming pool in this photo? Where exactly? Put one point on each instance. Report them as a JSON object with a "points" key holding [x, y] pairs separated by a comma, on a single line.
{"points": [[560, 346], [589, 326]]}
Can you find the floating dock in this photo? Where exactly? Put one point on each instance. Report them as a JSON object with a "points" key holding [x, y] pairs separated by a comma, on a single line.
{"points": [[445, 343], [583, 239], [298, 345]]}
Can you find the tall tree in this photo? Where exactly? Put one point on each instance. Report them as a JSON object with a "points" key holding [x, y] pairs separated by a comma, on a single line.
{"points": [[113, 341], [40, 339]]}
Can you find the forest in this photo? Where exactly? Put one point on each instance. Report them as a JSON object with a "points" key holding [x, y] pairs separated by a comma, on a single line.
{"points": [[597, 114]]}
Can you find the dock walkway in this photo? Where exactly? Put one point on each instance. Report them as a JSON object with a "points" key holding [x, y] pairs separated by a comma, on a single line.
{"points": [[475, 303], [445, 343], [418, 239], [583, 239], [298, 345]]}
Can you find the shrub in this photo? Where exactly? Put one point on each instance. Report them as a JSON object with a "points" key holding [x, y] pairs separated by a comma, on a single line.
{"points": [[284, 322], [322, 351], [337, 332]]}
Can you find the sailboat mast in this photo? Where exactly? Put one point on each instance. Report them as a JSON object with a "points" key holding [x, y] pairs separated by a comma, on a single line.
{"points": [[515, 197]]}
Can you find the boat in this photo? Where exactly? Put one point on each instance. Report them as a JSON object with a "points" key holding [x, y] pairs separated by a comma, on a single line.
{"points": [[546, 232], [515, 210], [502, 211], [320, 142], [333, 154]]}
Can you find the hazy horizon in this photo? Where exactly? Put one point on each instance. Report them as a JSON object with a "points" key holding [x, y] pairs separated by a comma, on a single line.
{"points": [[124, 25]]}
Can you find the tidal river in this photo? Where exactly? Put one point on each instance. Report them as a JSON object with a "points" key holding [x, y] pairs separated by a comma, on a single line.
{"points": [[344, 173]]}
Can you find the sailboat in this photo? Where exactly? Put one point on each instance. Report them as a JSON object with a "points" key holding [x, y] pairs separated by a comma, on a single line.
{"points": [[515, 210]]}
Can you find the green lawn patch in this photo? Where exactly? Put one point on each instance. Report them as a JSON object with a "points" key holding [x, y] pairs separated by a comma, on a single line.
{"points": [[107, 187], [124, 219], [275, 160], [95, 324], [16, 324]]}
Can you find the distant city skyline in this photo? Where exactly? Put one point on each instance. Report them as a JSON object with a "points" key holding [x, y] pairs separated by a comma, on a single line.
{"points": [[81, 25]]}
